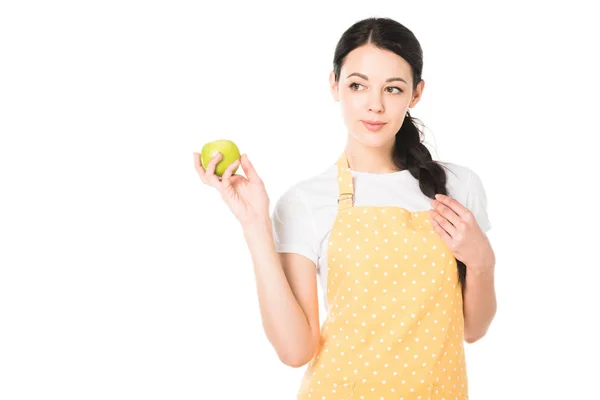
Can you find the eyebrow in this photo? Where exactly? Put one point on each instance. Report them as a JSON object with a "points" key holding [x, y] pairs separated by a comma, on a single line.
{"points": [[366, 79]]}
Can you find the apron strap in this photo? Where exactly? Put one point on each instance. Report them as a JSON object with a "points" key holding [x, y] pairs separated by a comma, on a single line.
{"points": [[345, 186]]}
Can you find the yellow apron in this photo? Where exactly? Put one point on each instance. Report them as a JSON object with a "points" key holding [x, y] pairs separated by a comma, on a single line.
{"points": [[395, 325]]}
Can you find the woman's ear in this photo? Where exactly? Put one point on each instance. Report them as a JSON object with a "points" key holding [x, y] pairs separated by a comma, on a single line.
{"points": [[418, 93], [333, 85]]}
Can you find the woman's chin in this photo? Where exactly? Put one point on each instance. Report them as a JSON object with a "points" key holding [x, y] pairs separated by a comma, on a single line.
{"points": [[371, 139]]}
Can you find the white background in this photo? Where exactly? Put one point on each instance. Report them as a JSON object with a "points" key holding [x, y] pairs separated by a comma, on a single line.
{"points": [[124, 277]]}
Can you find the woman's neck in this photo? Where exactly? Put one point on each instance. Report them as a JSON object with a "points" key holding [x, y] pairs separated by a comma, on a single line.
{"points": [[375, 160]]}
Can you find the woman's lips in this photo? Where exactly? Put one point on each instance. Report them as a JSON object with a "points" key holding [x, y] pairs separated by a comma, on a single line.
{"points": [[373, 127]]}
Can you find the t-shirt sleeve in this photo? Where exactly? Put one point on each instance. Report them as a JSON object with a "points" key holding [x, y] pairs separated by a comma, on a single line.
{"points": [[477, 201], [293, 228]]}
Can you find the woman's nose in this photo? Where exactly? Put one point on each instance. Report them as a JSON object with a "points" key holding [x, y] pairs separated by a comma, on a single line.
{"points": [[375, 103]]}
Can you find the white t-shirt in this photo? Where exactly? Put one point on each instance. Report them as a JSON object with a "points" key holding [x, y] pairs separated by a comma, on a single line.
{"points": [[303, 216]]}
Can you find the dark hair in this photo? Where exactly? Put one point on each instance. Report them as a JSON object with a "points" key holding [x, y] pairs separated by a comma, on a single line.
{"points": [[409, 151]]}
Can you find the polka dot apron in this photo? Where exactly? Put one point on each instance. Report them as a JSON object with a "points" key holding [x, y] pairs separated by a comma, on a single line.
{"points": [[395, 325]]}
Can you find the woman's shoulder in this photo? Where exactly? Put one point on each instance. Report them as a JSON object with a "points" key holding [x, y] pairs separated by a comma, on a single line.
{"points": [[461, 179], [313, 189], [455, 170], [458, 176]]}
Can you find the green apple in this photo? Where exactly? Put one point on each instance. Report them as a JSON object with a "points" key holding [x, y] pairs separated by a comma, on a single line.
{"points": [[229, 151]]}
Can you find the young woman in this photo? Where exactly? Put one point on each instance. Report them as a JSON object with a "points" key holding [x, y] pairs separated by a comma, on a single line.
{"points": [[397, 239]]}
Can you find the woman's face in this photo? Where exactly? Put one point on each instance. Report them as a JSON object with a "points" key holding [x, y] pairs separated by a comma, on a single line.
{"points": [[374, 85]]}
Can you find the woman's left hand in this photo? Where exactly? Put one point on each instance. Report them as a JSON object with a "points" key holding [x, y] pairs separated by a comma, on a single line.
{"points": [[459, 229]]}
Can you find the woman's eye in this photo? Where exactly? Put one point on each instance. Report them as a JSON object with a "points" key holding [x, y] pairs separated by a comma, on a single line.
{"points": [[354, 86]]}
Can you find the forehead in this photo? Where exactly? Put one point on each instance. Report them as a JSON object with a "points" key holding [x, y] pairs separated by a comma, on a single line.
{"points": [[377, 64]]}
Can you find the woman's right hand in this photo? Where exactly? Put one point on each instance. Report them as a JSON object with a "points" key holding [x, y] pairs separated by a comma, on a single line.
{"points": [[245, 197]]}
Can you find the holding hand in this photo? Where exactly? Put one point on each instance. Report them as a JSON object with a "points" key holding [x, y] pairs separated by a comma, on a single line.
{"points": [[245, 197]]}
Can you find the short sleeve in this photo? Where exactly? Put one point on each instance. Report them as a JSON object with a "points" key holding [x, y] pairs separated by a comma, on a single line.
{"points": [[293, 228], [477, 201]]}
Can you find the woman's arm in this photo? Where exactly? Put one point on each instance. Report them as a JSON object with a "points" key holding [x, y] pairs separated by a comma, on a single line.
{"points": [[479, 302], [287, 294], [459, 229], [287, 288]]}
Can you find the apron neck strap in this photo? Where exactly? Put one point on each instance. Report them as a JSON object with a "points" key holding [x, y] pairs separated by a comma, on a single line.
{"points": [[345, 185]]}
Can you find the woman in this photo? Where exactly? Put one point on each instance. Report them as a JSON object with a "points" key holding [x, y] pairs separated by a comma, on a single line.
{"points": [[398, 243]]}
